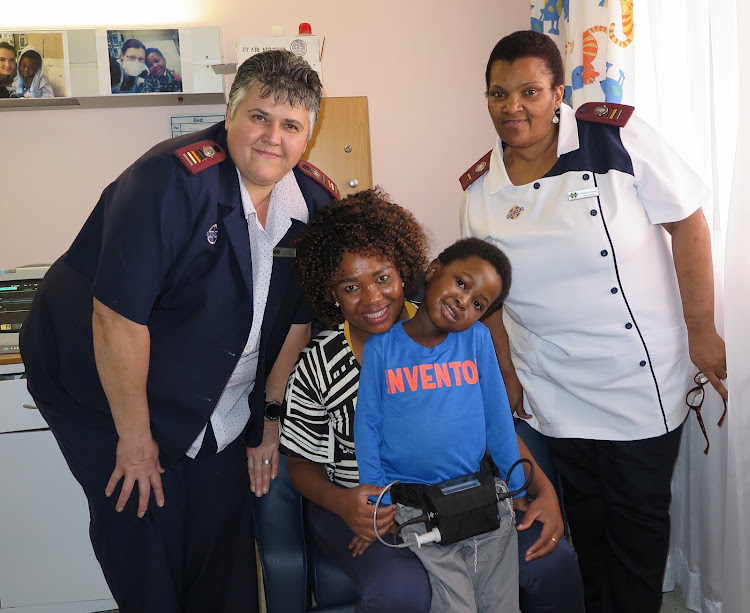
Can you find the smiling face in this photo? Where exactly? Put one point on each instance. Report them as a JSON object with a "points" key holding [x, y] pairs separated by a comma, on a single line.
{"points": [[7, 63], [27, 67], [265, 139], [457, 294], [370, 293], [156, 64], [522, 101]]}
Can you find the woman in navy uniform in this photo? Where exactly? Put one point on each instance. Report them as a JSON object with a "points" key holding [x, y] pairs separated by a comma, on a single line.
{"points": [[605, 316], [156, 341]]}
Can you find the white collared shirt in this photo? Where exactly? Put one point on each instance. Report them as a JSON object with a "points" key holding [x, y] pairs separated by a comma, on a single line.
{"points": [[232, 411]]}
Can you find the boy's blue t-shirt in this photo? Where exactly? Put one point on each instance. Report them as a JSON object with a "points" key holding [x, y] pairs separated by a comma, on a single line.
{"points": [[425, 415]]}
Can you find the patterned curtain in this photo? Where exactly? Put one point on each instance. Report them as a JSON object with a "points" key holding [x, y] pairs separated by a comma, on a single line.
{"points": [[595, 38]]}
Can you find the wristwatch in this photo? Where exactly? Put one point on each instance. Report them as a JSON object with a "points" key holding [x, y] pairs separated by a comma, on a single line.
{"points": [[273, 410]]}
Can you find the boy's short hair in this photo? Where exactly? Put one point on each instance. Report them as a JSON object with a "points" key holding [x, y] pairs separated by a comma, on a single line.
{"points": [[467, 247], [151, 50]]}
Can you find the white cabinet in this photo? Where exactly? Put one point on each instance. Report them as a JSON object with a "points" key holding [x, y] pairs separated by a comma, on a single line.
{"points": [[47, 564]]}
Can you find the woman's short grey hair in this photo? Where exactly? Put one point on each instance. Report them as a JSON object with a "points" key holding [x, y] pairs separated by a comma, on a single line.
{"points": [[283, 75]]}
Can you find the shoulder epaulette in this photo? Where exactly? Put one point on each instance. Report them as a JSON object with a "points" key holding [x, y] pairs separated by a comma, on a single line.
{"points": [[201, 155], [477, 170], [605, 112], [318, 175]]}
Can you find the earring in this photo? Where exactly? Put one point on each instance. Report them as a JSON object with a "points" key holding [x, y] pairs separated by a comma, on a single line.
{"points": [[402, 284], [336, 304], [556, 116]]}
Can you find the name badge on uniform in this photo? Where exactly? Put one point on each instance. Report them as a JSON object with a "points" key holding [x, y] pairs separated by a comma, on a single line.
{"points": [[284, 252], [589, 192]]}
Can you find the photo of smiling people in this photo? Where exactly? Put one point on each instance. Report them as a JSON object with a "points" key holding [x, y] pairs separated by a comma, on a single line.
{"points": [[33, 65], [144, 61]]}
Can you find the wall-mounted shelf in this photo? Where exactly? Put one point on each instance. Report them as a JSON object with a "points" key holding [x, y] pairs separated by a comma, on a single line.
{"points": [[87, 59], [110, 102]]}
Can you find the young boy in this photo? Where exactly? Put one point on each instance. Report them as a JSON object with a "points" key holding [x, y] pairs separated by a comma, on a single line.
{"points": [[160, 78], [431, 401], [31, 81]]}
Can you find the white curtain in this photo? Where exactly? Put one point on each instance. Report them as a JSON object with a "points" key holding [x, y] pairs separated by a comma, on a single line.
{"points": [[691, 72], [686, 67]]}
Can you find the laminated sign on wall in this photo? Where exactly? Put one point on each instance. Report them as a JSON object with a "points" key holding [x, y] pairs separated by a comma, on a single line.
{"points": [[306, 46]]}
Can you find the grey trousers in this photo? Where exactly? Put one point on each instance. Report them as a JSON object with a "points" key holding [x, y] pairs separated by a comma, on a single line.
{"points": [[476, 575]]}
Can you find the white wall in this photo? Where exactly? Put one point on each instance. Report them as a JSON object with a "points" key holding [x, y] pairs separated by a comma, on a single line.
{"points": [[420, 63]]}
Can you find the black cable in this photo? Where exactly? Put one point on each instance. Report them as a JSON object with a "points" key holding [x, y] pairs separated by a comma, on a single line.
{"points": [[526, 484]]}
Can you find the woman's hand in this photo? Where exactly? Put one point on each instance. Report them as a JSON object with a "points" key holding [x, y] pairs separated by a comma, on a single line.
{"points": [[263, 460], [137, 461], [501, 342], [358, 514], [515, 393], [358, 545], [691, 249], [544, 509], [708, 353]]}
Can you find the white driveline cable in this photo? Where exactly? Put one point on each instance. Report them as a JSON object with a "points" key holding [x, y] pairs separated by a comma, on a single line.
{"points": [[375, 518]]}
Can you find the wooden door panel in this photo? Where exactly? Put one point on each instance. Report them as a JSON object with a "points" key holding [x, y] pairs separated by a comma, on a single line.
{"points": [[340, 146]]}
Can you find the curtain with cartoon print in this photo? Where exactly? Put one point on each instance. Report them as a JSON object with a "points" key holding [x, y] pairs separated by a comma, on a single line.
{"points": [[595, 39]]}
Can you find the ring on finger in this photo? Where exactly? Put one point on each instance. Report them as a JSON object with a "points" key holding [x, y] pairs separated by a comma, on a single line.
{"points": [[553, 539], [266, 462]]}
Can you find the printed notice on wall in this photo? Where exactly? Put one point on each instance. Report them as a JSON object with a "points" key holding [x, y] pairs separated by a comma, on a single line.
{"points": [[187, 124]]}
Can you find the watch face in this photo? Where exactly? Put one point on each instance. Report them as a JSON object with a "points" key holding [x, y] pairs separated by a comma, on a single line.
{"points": [[273, 410]]}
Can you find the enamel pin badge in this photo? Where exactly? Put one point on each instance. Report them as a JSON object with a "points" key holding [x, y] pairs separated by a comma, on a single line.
{"points": [[212, 234], [514, 212]]}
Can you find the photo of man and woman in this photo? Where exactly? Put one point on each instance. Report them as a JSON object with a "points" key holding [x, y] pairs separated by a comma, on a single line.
{"points": [[144, 61]]}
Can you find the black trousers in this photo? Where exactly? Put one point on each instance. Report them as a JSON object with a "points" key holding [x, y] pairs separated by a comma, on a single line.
{"points": [[195, 554], [617, 496]]}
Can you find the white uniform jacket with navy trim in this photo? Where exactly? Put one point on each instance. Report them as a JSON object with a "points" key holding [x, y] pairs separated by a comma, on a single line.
{"points": [[594, 314]]}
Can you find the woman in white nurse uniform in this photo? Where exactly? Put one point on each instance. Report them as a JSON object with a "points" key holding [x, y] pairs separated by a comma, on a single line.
{"points": [[606, 312]]}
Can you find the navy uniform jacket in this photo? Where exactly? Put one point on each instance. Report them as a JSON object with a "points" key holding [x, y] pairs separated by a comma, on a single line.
{"points": [[146, 252]]}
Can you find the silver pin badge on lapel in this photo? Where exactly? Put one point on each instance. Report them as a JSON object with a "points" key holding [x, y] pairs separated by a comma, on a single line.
{"points": [[212, 234]]}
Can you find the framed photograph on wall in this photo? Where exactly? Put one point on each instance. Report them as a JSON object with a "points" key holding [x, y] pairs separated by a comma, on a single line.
{"points": [[34, 64], [143, 61]]}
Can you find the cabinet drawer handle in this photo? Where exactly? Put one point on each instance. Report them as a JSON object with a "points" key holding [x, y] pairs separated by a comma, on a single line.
{"points": [[30, 406]]}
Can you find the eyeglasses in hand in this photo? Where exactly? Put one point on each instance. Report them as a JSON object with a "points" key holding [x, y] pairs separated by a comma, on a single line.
{"points": [[694, 400]]}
